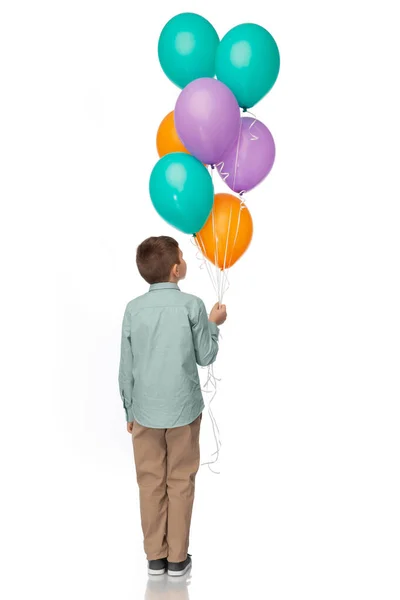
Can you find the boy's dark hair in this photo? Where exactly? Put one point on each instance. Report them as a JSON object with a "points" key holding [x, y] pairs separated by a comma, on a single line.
{"points": [[155, 258]]}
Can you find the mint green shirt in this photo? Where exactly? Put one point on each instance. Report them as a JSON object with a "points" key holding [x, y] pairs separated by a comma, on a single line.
{"points": [[165, 335]]}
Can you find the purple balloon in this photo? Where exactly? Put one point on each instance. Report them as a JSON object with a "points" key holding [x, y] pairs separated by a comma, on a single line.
{"points": [[207, 119], [250, 160]]}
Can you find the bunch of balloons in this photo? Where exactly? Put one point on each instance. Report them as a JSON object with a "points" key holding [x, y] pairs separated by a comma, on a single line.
{"points": [[217, 78]]}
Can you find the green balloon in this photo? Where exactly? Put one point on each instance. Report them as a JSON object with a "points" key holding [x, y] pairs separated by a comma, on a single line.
{"points": [[187, 47], [182, 191], [248, 63]]}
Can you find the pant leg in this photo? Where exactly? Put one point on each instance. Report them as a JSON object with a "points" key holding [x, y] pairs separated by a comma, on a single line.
{"points": [[183, 451], [150, 451]]}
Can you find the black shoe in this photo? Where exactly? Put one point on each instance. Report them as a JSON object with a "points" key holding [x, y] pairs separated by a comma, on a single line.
{"points": [[181, 568], [157, 567]]}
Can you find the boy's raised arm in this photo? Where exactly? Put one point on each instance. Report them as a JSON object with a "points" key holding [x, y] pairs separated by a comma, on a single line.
{"points": [[205, 333]]}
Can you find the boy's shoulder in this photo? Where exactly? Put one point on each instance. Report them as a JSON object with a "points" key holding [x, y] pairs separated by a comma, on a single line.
{"points": [[136, 302], [184, 299], [192, 301], [191, 298]]}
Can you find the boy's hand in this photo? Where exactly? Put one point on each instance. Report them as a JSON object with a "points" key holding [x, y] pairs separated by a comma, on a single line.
{"points": [[218, 314], [129, 427]]}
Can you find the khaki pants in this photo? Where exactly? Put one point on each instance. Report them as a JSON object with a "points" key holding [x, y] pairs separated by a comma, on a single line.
{"points": [[167, 461]]}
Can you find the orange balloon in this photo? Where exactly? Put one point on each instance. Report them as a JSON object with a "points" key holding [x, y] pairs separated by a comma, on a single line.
{"points": [[227, 233], [167, 137]]}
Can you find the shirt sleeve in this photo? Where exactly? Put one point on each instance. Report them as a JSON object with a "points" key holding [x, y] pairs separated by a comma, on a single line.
{"points": [[125, 377], [205, 336]]}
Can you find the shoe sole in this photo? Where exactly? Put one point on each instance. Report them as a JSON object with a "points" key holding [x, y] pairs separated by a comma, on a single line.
{"points": [[156, 572], [180, 573]]}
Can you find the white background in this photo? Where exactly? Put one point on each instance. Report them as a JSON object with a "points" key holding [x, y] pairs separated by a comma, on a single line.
{"points": [[307, 504]]}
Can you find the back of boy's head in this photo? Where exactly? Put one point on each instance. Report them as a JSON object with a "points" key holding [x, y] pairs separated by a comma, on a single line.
{"points": [[155, 258]]}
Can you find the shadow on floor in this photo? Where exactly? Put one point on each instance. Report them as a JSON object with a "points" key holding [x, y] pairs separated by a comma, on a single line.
{"points": [[168, 588]]}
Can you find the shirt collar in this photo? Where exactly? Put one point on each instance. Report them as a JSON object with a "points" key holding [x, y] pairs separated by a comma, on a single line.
{"points": [[164, 286]]}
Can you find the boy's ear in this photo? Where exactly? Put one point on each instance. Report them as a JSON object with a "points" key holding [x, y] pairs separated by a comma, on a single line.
{"points": [[175, 271]]}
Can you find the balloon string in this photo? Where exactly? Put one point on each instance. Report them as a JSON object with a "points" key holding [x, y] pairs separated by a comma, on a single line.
{"points": [[251, 113], [227, 238], [237, 154], [211, 379], [221, 285], [212, 382], [241, 207], [221, 168], [216, 248], [253, 136], [200, 255], [225, 283], [220, 281]]}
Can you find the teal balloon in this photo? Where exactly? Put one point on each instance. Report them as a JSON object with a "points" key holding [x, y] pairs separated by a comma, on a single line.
{"points": [[182, 191], [187, 47], [248, 63]]}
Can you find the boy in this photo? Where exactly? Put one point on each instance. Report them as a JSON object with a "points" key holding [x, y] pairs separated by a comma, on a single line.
{"points": [[164, 334]]}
